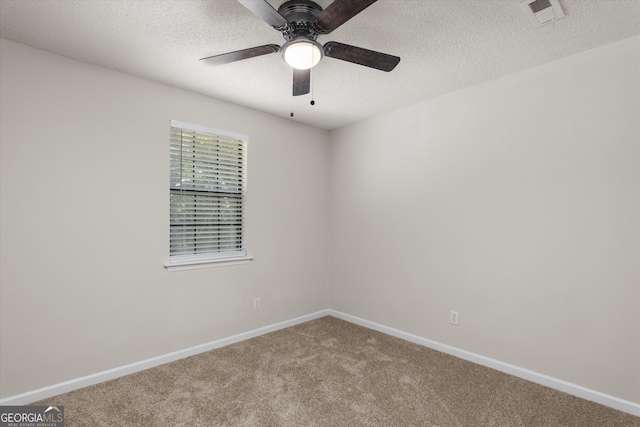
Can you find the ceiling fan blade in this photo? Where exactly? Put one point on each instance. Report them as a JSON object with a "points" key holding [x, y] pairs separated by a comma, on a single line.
{"points": [[263, 10], [301, 81], [339, 12], [238, 55], [358, 55]]}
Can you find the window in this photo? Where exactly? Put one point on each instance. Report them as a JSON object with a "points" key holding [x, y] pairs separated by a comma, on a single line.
{"points": [[207, 197]]}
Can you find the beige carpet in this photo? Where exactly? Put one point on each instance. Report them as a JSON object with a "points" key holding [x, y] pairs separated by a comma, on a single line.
{"points": [[327, 372]]}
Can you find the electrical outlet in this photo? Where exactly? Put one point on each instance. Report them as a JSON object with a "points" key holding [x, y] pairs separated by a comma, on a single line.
{"points": [[454, 318], [256, 303]]}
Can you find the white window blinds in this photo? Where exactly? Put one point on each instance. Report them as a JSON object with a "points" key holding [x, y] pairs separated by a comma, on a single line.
{"points": [[207, 192]]}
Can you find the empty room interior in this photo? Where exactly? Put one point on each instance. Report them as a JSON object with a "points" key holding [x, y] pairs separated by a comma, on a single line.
{"points": [[461, 175]]}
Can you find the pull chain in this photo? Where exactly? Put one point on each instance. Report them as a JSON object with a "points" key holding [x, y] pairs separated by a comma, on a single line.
{"points": [[312, 101]]}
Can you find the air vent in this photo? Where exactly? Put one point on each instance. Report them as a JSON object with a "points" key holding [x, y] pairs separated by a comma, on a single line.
{"points": [[541, 12]]}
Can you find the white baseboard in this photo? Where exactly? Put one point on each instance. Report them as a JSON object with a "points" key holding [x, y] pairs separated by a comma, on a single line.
{"points": [[545, 380], [67, 386]]}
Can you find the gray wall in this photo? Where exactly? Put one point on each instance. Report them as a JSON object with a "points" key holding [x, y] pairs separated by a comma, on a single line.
{"points": [[515, 203], [84, 222]]}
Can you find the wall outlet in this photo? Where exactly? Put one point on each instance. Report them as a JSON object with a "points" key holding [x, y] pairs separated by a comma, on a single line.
{"points": [[256, 303], [454, 318]]}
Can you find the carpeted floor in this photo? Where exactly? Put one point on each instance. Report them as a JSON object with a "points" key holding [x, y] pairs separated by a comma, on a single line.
{"points": [[328, 372]]}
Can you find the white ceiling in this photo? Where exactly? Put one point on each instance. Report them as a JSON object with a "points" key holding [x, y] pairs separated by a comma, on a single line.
{"points": [[444, 45]]}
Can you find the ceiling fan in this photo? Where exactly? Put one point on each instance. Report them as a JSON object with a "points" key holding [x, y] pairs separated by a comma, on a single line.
{"points": [[301, 22]]}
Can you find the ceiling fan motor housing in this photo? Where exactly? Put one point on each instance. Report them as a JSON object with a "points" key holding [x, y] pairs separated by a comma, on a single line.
{"points": [[301, 15]]}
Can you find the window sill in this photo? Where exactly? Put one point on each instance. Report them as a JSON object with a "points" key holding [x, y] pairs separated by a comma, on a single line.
{"points": [[196, 263]]}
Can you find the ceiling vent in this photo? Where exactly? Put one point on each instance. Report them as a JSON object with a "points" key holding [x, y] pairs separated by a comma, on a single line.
{"points": [[541, 12]]}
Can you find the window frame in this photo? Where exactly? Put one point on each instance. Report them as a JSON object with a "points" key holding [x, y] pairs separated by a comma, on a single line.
{"points": [[178, 262]]}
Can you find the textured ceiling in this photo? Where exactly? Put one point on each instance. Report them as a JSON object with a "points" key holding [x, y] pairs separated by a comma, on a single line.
{"points": [[445, 45]]}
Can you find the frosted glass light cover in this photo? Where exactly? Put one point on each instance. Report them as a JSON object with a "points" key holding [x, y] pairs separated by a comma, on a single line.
{"points": [[302, 54]]}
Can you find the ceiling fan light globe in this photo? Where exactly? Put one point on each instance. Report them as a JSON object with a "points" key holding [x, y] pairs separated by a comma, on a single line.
{"points": [[302, 54]]}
